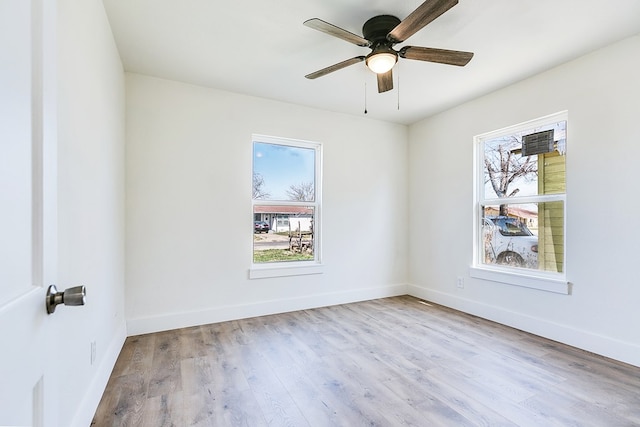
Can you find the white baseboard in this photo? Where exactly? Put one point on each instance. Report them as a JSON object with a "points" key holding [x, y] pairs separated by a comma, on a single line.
{"points": [[144, 325], [585, 340], [91, 400]]}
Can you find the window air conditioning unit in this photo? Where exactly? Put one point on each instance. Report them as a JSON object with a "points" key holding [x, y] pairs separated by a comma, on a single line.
{"points": [[538, 143]]}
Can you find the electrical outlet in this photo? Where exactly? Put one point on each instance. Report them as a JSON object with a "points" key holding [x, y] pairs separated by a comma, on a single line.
{"points": [[93, 352], [460, 282]]}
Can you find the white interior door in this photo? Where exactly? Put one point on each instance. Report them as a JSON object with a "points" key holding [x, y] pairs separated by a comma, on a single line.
{"points": [[27, 211]]}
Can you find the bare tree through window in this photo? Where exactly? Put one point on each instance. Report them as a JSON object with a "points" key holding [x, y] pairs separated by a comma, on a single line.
{"points": [[303, 192], [505, 166], [258, 187]]}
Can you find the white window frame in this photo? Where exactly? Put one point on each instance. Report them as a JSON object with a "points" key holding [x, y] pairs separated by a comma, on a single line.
{"points": [[529, 278], [292, 268]]}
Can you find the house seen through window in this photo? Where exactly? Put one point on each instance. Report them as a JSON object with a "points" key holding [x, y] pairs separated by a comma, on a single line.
{"points": [[286, 200], [520, 196]]}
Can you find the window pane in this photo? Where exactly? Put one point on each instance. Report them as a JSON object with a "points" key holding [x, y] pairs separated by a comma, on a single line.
{"points": [[507, 173], [283, 233], [551, 236], [283, 172], [524, 235]]}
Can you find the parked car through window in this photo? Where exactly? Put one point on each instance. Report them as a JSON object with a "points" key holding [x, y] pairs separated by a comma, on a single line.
{"points": [[260, 227], [507, 241]]}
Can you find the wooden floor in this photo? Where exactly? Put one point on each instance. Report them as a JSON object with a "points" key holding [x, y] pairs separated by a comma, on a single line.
{"points": [[390, 362]]}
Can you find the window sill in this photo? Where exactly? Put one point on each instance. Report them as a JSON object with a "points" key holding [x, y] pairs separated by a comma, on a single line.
{"points": [[283, 270], [541, 282]]}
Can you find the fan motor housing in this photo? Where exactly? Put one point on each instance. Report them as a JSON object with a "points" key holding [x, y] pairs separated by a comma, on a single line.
{"points": [[377, 28]]}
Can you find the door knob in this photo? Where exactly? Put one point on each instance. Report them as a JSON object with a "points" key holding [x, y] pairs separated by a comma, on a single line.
{"points": [[70, 296]]}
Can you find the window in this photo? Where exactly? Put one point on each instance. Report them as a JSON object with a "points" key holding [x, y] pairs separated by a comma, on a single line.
{"points": [[520, 195], [286, 202]]}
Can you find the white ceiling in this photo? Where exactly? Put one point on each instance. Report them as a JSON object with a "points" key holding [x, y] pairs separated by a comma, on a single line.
{"points": [[261, 48]]}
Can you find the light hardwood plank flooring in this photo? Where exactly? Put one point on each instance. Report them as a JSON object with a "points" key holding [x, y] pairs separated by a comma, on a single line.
{"points": [[389, 362]]}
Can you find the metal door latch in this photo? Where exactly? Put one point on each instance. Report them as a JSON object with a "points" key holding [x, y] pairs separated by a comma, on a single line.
{"points": [[70, 296]]}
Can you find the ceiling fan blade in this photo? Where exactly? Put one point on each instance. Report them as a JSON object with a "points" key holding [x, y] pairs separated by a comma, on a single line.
{"points": [[332, 30], [385, 81], [424, 14], [335, 67], [442, 56]]}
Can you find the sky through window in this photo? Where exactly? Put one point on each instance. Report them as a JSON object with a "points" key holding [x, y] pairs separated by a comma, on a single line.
{"points": [[282, 166]]}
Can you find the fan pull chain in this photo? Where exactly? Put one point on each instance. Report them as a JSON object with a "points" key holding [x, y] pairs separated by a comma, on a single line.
{"points": [[365, 97], [398, 74]]}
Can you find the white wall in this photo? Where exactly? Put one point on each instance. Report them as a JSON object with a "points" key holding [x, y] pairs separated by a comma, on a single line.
{"points": [[189, 221], [601, 92], [90, 205]]}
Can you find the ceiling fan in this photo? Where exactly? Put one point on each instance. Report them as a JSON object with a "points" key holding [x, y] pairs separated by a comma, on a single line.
{"points": [[382, 32]]}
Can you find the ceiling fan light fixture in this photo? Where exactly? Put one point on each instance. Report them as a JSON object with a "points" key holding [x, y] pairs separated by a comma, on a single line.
{"points": [[382, 32], [381, 60]]}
